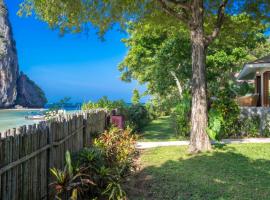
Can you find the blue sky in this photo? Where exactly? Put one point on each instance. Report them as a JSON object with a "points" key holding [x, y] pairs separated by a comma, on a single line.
{"points": [[78, 66]]}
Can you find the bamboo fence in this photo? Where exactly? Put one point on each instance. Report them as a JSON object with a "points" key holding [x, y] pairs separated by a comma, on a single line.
{"points": [[28, 152]]}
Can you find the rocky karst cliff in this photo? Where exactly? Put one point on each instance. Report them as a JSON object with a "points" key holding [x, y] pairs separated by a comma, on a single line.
{"points": [[15, 88], [29, 94], [8, 61]]}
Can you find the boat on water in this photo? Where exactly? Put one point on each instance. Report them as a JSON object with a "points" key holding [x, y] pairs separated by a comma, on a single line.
{"points": [[35, 116]]}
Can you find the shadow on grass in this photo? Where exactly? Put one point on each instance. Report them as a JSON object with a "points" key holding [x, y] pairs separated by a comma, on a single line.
{"points": [[218, 175]]}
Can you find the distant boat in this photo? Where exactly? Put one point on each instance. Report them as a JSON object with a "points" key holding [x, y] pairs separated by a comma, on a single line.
{"points": [[35, 117]]}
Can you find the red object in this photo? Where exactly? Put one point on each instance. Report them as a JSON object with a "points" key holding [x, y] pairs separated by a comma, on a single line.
{"points": [[118, 121]]}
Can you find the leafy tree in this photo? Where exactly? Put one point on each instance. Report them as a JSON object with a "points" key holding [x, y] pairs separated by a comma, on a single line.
{"points": [[202, 18], [151, 48], [156, 58], [135, 97]]}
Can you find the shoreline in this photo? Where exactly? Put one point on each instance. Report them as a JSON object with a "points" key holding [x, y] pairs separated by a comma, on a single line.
{"points": [[23, 109]]}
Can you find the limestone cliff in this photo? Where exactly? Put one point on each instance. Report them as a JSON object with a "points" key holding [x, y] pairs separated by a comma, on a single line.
{"points": [[8, 61], [29, 94], [15, 88]]}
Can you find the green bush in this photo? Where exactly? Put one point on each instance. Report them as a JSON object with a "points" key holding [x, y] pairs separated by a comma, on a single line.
{"points": [[181, 116], [98, 172], [215, 122], [224, 111], [137, 117], [152, 111], [224, 119], [107, 104], [250, 126]]}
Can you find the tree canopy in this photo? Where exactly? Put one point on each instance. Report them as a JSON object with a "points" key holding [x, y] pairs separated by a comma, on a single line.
{"points": [[157, 50], [74, 15]]}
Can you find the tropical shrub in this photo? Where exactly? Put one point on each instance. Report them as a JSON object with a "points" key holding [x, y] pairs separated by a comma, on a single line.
{"points": [[250, 126], [181, 115], [118, 146], [152, 111], [70, 182], [98, 172], [215, 122], [107, 104], [137, 117], [224, 115]]}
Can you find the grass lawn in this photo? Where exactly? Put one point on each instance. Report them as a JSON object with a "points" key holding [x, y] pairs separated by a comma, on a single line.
{"points": [[159, 130], [231, 172]]}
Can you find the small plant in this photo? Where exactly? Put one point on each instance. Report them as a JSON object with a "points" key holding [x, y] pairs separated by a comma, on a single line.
{"points": [[97, 172], [119, 146], [70, 182]]}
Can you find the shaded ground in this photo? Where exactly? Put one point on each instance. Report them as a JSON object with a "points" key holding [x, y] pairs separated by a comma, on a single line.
{"points": [[160, 130], [229, 172]]}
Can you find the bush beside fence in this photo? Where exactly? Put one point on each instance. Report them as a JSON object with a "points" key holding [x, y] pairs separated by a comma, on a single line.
{"points": [[27, 153]]}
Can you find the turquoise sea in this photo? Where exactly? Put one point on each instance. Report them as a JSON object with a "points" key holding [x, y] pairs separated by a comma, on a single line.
{"points": [[14, 118]]}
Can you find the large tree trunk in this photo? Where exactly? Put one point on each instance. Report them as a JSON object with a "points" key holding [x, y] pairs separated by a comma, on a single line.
{"points": [[199, 140]]}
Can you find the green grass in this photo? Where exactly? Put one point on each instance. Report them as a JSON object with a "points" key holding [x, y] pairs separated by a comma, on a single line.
{"points": [[159, 130], [231, 172]]}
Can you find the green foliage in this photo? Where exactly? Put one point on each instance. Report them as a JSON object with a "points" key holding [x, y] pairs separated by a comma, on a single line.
{"points": [[243, 88], [225, 120], [135, 97], [60, 104], [137, 117], [70, 182], [225, 113], [118, 146], [56, 109], [147, 60], [152, 114], [181, 115], [107, 104], [215, 122], [98, 172], [250, 126]]}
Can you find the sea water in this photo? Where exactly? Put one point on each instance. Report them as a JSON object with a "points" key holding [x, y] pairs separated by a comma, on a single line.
{"points": [[15, 118]]}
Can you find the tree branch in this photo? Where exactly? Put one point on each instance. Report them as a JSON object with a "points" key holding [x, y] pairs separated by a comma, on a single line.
{"points": [[179, 87], [219, 23], [184, 5], [169, 10]]}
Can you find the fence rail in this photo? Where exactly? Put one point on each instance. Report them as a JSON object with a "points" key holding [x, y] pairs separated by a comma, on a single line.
{"points": [[27, 153]]}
